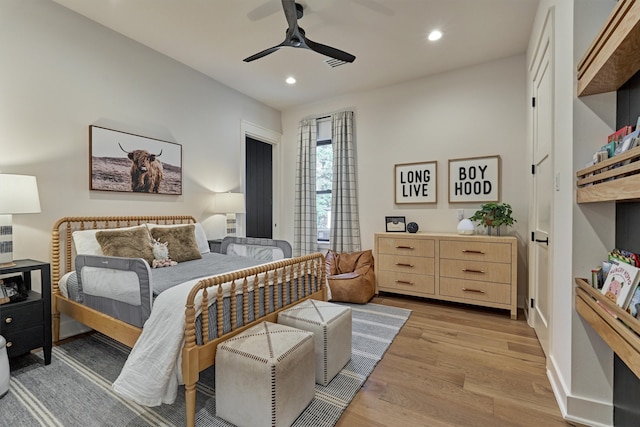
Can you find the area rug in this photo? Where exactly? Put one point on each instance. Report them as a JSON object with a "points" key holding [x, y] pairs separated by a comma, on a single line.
{"points": [[75, 389]]}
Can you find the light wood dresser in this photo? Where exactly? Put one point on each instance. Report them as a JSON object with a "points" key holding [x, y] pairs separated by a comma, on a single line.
{"points": [[472, 269]]}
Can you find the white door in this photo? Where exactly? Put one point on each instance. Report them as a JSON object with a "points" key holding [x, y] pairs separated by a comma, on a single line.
{"points": [[540, 292]]}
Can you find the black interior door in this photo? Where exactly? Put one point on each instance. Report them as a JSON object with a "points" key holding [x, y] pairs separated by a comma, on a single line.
{"points": [[259, 189]]}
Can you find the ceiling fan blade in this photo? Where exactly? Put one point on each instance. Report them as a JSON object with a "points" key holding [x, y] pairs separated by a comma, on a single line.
{"points": [[289, 7], [261, 54], [329, 51]]}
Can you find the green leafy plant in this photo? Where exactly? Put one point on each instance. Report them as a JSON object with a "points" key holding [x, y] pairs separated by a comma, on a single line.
{"points": [[494, 215]]}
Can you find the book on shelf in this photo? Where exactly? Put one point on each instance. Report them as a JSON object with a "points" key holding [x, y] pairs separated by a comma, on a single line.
{"points": [[619, 134], [627, 143], [621, 283], [634, 304]]}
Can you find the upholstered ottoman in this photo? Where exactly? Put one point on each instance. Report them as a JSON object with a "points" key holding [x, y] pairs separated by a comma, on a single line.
{"points": [[265, 376], [331, 327]]}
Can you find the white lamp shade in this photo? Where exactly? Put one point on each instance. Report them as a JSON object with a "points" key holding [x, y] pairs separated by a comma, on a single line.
{"points": [[18, 194], [229, 203]]}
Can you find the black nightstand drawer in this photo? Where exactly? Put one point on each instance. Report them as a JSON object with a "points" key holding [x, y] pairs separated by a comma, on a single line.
{"points": [[21, 316], [22, 341], [27, 324]]}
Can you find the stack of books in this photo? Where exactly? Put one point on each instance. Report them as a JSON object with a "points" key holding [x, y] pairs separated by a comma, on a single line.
{"points": [[618, 142]]}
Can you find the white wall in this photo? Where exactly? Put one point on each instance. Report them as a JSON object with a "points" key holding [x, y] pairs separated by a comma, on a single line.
{"points": [[579, 364], [61, 73], [476, 111]]}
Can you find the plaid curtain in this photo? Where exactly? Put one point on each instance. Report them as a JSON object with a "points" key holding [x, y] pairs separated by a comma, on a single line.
{"points": [[305, 233], [345, 224]]}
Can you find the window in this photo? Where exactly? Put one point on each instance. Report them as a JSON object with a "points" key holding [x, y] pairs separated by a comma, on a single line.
{"points": [[324, 178]]}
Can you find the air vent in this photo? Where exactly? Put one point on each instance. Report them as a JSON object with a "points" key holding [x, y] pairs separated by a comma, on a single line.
{"points": [[333, 63]]}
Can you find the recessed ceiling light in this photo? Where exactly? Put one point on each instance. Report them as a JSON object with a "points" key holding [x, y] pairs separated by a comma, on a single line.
{"points": [[435, 35], [290, 80]]}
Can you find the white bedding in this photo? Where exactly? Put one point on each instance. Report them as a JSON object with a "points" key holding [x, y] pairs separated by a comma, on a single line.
{"points": [[153, 370]]}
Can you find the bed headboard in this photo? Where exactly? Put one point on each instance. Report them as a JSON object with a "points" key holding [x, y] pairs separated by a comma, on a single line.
{"points": [[62, 252]]}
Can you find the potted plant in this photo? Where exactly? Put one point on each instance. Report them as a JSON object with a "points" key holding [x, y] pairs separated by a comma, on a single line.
{"points": [[494, 215]]}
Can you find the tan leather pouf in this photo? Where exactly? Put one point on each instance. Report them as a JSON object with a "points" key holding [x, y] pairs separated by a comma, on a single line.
{"points": [[265, 376], [331, 327]]}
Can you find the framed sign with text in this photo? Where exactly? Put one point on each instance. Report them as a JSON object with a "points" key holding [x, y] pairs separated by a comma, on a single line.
{"points": [[475, 179], [416, 182]]}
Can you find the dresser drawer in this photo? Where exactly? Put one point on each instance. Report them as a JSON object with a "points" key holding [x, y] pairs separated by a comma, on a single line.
{"points": [[406, 264], [25, 340], [21, 316], [412, 247], [476, 251], [476, 270], [476, 291], [403, 282]]}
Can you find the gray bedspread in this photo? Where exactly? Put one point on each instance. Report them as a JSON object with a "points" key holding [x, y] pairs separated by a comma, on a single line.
{"points": [[211, 264]]}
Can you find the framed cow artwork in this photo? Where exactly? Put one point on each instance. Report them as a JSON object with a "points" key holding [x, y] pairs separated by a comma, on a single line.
{"points": [[121, 161]]}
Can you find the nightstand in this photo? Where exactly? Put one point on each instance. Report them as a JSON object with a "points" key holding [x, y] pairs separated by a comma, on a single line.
{"points": [[26, 325], [215, 245]]}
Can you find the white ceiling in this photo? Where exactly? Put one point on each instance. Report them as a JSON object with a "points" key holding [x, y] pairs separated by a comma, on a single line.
{"points": [[388, 38]]}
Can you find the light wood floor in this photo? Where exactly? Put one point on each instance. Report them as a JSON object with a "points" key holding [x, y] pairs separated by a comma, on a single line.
{"points": [[455, 365]]}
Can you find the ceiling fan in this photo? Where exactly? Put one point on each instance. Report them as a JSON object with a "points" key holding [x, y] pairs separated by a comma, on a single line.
{"points": [[295, 37]]}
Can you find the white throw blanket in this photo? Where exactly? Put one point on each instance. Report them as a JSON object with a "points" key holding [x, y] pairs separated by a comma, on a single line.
{"points": [[153, 370]]}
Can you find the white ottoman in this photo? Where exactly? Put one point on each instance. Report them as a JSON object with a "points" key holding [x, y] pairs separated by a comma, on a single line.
{"points": [[331, 327], [265, 376]]}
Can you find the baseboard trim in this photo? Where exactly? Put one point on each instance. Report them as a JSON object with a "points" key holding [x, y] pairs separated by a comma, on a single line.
{"points": [[582, 410]]}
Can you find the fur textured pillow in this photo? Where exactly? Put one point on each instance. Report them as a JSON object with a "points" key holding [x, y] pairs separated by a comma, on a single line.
{"points": [[181, 239], [133, 243]]}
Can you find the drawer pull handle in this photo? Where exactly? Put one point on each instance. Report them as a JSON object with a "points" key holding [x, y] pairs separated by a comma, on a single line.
{"points": [[469, 251], [405, 247], [400, 264], [9, 344], [8, 320], [468, 270], [404, 282], [477, 291]]}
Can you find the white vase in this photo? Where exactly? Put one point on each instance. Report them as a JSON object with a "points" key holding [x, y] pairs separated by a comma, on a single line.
{"points": [[465, 226]]}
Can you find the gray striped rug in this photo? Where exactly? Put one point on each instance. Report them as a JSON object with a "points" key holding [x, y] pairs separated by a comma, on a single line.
{"points": [[75, 389]]}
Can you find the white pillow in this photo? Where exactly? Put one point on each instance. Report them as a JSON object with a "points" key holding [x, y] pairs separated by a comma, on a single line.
{"points": [[201, 236], [86, 243]]}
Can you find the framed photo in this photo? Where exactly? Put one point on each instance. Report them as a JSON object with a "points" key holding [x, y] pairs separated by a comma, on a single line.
{"points": [[120, 161], [395, 224], [416, 183], [475, 179]]}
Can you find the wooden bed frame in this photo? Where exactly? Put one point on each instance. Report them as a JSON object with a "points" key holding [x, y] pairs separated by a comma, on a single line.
{"points": [[195, 358]]}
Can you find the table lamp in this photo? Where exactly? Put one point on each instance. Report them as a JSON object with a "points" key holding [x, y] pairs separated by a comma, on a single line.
{"points": [[18, 195], [229, 204]]}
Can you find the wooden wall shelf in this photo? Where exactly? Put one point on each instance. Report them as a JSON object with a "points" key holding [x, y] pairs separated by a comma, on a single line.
{"points": [[612, 57], [622, 334], [601, 182]]}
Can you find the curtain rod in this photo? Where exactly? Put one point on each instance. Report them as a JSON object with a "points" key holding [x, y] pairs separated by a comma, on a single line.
{"points": [[326, 116]]}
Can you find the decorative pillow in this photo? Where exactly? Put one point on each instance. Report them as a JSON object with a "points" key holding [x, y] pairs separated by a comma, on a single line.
{"points": [[85, 240], [134, 243], [201, 236], [181, 239]]}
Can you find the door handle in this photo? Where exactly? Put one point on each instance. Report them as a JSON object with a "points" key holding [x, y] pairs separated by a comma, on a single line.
{"points": [[545, 241]]}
